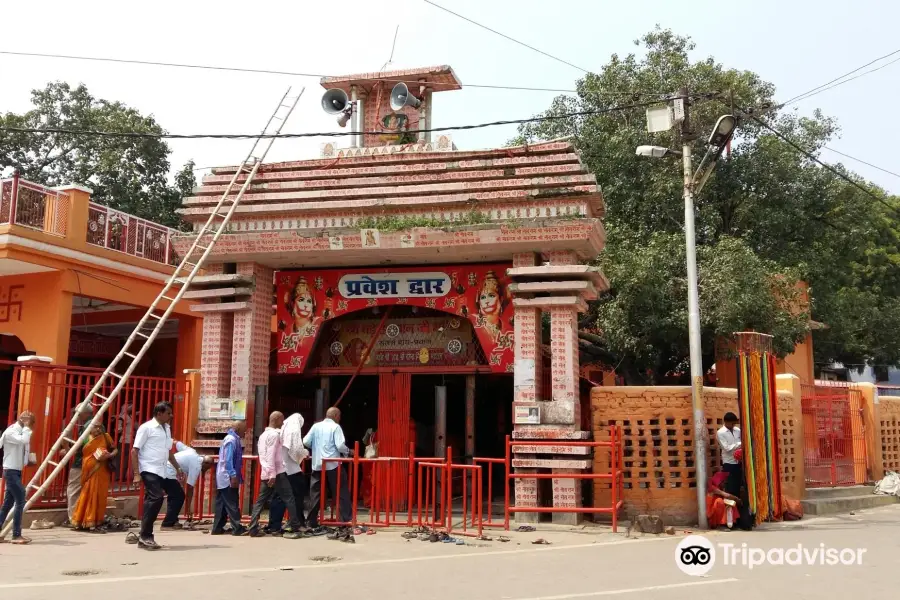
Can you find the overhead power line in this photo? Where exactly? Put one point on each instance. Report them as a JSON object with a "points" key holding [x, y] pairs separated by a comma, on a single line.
{"points": [[859, 160], [154, 63], [824, 164], [828, 84], [503, 35], [329, 134]]}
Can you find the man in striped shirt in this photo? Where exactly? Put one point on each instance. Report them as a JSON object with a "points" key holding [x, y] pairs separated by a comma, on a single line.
{"points": [[273, 478]]}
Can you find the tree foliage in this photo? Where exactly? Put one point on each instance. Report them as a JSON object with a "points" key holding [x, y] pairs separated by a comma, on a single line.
{"points": [[768, 218], [129, 174]]}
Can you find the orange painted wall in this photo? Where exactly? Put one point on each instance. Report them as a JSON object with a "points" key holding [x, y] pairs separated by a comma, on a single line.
{"points": [[38, 310]]}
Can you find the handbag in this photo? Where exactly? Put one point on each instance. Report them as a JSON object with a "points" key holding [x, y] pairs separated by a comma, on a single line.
{"points": [[372, 450]]}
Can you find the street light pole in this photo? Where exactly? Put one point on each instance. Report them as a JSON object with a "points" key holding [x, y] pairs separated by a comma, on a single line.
{"points": [[701, 454]]}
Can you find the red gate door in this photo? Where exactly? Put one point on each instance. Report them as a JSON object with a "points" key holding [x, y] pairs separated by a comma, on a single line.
{"points": [[834, 443]]}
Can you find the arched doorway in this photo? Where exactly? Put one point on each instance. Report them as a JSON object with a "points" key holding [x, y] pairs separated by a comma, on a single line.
{"points": [[418, 350], [11, 348]]}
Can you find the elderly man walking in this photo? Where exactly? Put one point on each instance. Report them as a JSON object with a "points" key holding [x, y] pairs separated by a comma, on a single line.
{"points": [[273, 478], [294, 453], [15, 443], [229, 476], [84, 413], [326, 440]]}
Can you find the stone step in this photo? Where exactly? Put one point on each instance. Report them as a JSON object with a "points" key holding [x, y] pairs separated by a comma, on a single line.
{"points": [[222, 307], [845, 504], [838, 492], [220, 279], [217, 293]]}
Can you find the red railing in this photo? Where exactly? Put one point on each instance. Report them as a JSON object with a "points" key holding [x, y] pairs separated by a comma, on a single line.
{"points": [[34, 206], [52, 393], [834, 445], [116, 230], [614, 477]]}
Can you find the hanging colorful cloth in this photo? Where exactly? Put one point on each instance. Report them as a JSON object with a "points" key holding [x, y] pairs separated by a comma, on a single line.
{"points": [[758, 400]]}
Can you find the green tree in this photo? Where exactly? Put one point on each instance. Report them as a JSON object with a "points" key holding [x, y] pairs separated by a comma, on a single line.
{"points": [[767, 218], [129, 174]]}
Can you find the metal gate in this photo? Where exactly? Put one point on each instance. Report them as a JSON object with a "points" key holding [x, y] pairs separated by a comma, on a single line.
{"points": [[834, 436]]}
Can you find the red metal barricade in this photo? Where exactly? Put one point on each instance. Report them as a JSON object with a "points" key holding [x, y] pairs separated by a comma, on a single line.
{"points": [[487, 465], [614, 477]]}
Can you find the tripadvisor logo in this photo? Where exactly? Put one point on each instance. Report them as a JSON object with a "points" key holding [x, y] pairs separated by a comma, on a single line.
{"points": [[695, 555]]}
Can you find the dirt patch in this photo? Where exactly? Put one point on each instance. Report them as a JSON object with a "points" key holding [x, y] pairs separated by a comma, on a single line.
{"points": [[324, 559], [81, 572]]}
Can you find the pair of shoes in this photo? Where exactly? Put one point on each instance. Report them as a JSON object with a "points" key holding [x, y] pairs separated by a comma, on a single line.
{"points": [[257, 533], [291, 535], [275, 532], [176, 526]]}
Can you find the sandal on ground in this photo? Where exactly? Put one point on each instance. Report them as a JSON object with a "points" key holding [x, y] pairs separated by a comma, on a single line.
{"points": [[131, 538], [21, 541]]}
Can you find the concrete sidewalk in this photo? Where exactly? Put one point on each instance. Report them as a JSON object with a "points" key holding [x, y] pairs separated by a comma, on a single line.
{"points": [[578, 564]]}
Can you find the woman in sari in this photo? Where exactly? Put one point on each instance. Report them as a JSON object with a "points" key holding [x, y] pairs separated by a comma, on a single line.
{"points": [[90, 512], [719, 503]]}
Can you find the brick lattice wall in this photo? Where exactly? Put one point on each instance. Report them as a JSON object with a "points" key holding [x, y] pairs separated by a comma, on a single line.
{"points": [[659, 462], [889, 421]]}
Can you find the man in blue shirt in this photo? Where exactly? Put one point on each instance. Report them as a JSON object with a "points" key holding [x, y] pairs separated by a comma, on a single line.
{"points": [[326, 440], [229, 475]]}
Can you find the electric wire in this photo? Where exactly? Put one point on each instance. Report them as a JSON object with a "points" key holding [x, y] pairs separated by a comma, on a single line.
{"points": [[154, 63], [824, 164], [819, 89], [328, 134], [503, 35]]}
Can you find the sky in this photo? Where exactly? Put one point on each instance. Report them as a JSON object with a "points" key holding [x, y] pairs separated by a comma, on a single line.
{"points": [[797, 45]]}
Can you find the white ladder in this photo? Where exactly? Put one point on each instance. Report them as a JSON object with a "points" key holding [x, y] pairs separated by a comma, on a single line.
{"points": [[153, 320]]}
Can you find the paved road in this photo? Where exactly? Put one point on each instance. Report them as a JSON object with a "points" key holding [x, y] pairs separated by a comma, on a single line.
{"points": [[578, 564]]}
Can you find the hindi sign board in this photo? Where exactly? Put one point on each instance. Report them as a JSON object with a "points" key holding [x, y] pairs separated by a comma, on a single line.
{"points": [[307, 300]]}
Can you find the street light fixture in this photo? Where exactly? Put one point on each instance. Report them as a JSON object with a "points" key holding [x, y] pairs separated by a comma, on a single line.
{"points": [[656, 151], [693, 183]]}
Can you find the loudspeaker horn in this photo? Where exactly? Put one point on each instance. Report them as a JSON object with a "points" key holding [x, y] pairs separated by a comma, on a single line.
{"points": [[401, 97], [343, 118], [335, 101]]}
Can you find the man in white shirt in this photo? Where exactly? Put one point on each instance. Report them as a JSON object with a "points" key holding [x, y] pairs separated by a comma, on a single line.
{"points": [[152, 451], [729, 438], [15, 442], [326, 440], [193, 465]]}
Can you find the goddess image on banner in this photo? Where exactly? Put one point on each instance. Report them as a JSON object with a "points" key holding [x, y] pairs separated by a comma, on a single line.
{"points": [[479, 293]]}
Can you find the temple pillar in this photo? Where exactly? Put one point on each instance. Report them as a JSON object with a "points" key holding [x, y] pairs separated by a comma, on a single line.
{"points": [[252, 337]]}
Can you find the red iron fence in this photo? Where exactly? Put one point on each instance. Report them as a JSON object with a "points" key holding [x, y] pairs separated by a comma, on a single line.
{"points": [[834, 448], [52, 392]]}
